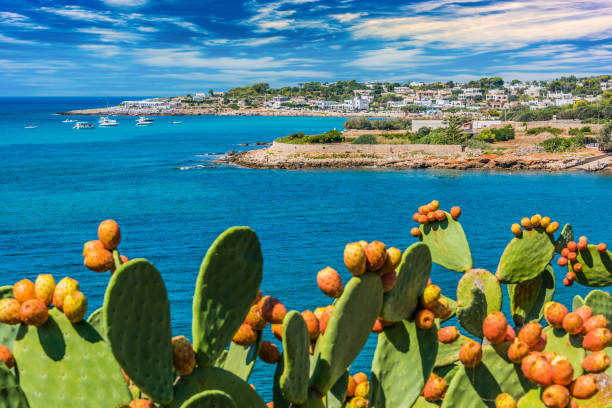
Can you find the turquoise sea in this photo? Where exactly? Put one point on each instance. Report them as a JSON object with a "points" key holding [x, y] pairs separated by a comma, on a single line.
{"points": [[160, 184]]}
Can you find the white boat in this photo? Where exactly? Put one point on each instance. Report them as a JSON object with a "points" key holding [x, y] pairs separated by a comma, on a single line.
{"points": [[176, 122], [83, 125], [105, 121], [144, 121], [31, 126], [68, 120]]}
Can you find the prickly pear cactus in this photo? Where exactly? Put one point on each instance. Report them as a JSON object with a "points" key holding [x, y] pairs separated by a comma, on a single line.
{"points": [[278, 398], [473, 314], [404, 355], [294, 379], [226, 287], [449, 353], [527, 299], [71, 363], [355, 313], [577, 302], [563, 344], [567, 235], [210, 399], [412, 275], [137, 322], [448, 244], [525, 257], [596, 267], [8, 332], [240, 360], [336, 395], [96, 320], [478, 294], [11, 394], [601, 303]]}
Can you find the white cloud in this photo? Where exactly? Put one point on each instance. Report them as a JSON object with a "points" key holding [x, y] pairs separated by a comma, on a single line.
{"points": [[179, 22], [101, 49], [273, 16], [246, 42], [79, 13], [19, 20], [10, 65], [11, 40], [125, 3], [189, 58], [108, 35], [147, 29], [346, 17], [390, 58]]}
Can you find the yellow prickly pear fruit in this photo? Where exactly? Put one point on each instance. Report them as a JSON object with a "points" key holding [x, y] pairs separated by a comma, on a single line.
{"points": [[9, 311], [362, 390], [44, 287], [516, 229], [75, 306], [553, 227], [535, 220], [545, 222], [64, 287], [430, 296], [505, 401], [355, 258], [526, 223]]}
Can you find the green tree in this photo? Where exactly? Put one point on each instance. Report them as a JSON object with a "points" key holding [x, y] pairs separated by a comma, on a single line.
{"points": [[211, 92], [453, 133], [605, 137]]}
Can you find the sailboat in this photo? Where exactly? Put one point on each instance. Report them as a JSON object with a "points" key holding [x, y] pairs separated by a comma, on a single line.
{"points": [[68, 120]]}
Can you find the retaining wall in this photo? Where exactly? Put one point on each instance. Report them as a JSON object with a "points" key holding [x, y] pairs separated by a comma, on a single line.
{"points": [[437, 150]]}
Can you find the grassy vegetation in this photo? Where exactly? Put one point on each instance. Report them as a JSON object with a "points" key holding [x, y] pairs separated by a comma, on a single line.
{"points": [[538, 130], [379, 124], [563, 144], [333, 136], [496, 135], [365, 139]]}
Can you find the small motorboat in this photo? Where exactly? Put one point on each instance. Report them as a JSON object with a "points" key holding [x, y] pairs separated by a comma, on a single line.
{"points": [[83, 125], [31, 126], [105, 121], [144, 121], [67, 120], [176, 122]]}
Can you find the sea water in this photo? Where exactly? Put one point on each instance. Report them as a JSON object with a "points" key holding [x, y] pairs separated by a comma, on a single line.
{"points": [[162, 185]]}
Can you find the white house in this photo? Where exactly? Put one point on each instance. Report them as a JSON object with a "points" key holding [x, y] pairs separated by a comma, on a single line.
{"points": [[533, 91], [606, 85]]}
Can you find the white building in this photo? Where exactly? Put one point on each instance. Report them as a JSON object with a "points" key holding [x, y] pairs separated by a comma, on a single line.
{"points": [[428, 123], [606, 85], [279, 101], [533, 91], [362, 102], [198, 96], [147, 103], [481, 124], [402, 89]]}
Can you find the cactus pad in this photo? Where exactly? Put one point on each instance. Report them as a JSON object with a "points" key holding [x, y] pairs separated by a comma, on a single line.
{"points": [[601, 303], [96, 320], [8, 332], [412, 275], [11, 395], [210, 399], [214, 378], [355, 313], [404, 355], [577, 302], [533, 399], [596, 267], [472, 316], [478, 294], [527, 299], [336, 395], [449, 353], [567, 235], [294, 379], [240, 360], [423, 403], [525, 257], [71, 363], [563, 344], [448, 245], [225, 290], [277, 395]]}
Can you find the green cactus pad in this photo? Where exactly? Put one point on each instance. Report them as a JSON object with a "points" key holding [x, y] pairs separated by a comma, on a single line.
{"points": [[448, 245], [601, 303], [210, 399], [472, 316], [137, 321], [449, 353], [336, 395], [8, 332], [315, 400], [527, 299], [412, 275], [567, 235], [596, 267], [240, 360], [563, 344], [423, 403], [277, 395], [71, 363], [577, 302], [214, 378], [96, 320], [404, 355], [448, 371], [294, 380], [355, 313], [479, 386], [533, 399], [486, 283], [11, 394], [525, 257], [225, 290]]}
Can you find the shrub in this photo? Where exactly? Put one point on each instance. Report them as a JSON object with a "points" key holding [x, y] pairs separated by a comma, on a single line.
{"points": [[503, 134], [333, 136], [563, 144], [365, 139], [538, 130], [380, 124], [357, 123]]}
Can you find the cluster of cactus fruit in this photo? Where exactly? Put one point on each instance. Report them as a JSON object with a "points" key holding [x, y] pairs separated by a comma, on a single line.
{"points": [[124, 354]]}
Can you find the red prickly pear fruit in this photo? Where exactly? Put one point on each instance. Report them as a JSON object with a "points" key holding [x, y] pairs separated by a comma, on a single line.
{"points": [[577, 267], [10, 310], [255, 319], [567, 282], [394, 258], [516, 229], [430, 296], [378, 326], [597, 339], [582, 246], [556, 396], [325, 318], [435, 387], [562, 371], [545, 222], [376, 254], [272, 309], [602, 247], [34, 312], [141, 403], [470, 354], [510, 334], [555, 313], [388, 281], [504, 400], [541, 343], [245, 336], [44, 287], [431, 217], [584, 387], [448, 334], [535, 220], [585, 312], [329, 282], [24, 290], [423, 219], [572, 323], [268, 352], [75, 306], [495, 327], [537, 369], [312, 323], [549, 355], [362, 390], [572, 246], [109, 234], [434, 205], [526, 223], [571, 276], [358, 402], [7, 356], [440, 216], [350, 388], [415, 217], [562, 261], [596, 362], [441, 309], [355, 258], [552, 228], [455, 212], [359, 378], [565, 252], [415, 232], [572, 256], [573, 404], [99, 260], [595, 322], [530, 334], [424, 319], [517, 351], [183, 356], [277, 331]]}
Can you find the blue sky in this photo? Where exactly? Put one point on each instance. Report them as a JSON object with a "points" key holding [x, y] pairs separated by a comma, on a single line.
{"points": [[167, 47]]}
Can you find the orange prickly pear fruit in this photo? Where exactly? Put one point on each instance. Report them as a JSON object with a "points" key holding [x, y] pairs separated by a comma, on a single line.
{"points": [[434, 205], [360, 377], [350, 388], [245, 336], [572, 246], [319, 311], [423, 210], [254, 318], [448, 334], [516, 229], [329, 282], [470, 354], [92, 246], [388, 281], [597, 339], [526, 223], [504, 400], [10, 310], [7, 357], [424, 319], [355, 258], [535, 220], [530, 334], [577, 267], [510, 334], [455, 212], [572, 256], [44, 287], [312, 323], [109, 234], [99, 260], [430, 296], [415, 217], [272, 309], [585, 312], [595, 322], [415, 232], [536, 368], [141, 403], [584, 387], [495, 327], [596, 362], [277, 331], [269, 353], [378, 326], [556, 396], [517, 351], [562, 371], [376, 254], [440, 216], [441, 309], [34, 312], [183, 356], [562, 261], [423, 219], [63, 288], [555, 313], [602, 247], [434, 388], [325, 318], [565, 252], [75, 306], [24, 290], [431, 217], [572, 323], [541, 343]]}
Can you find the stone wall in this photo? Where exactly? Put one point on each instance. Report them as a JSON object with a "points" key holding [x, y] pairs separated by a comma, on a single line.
{"points": [[561, 124], [436, 150]]}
